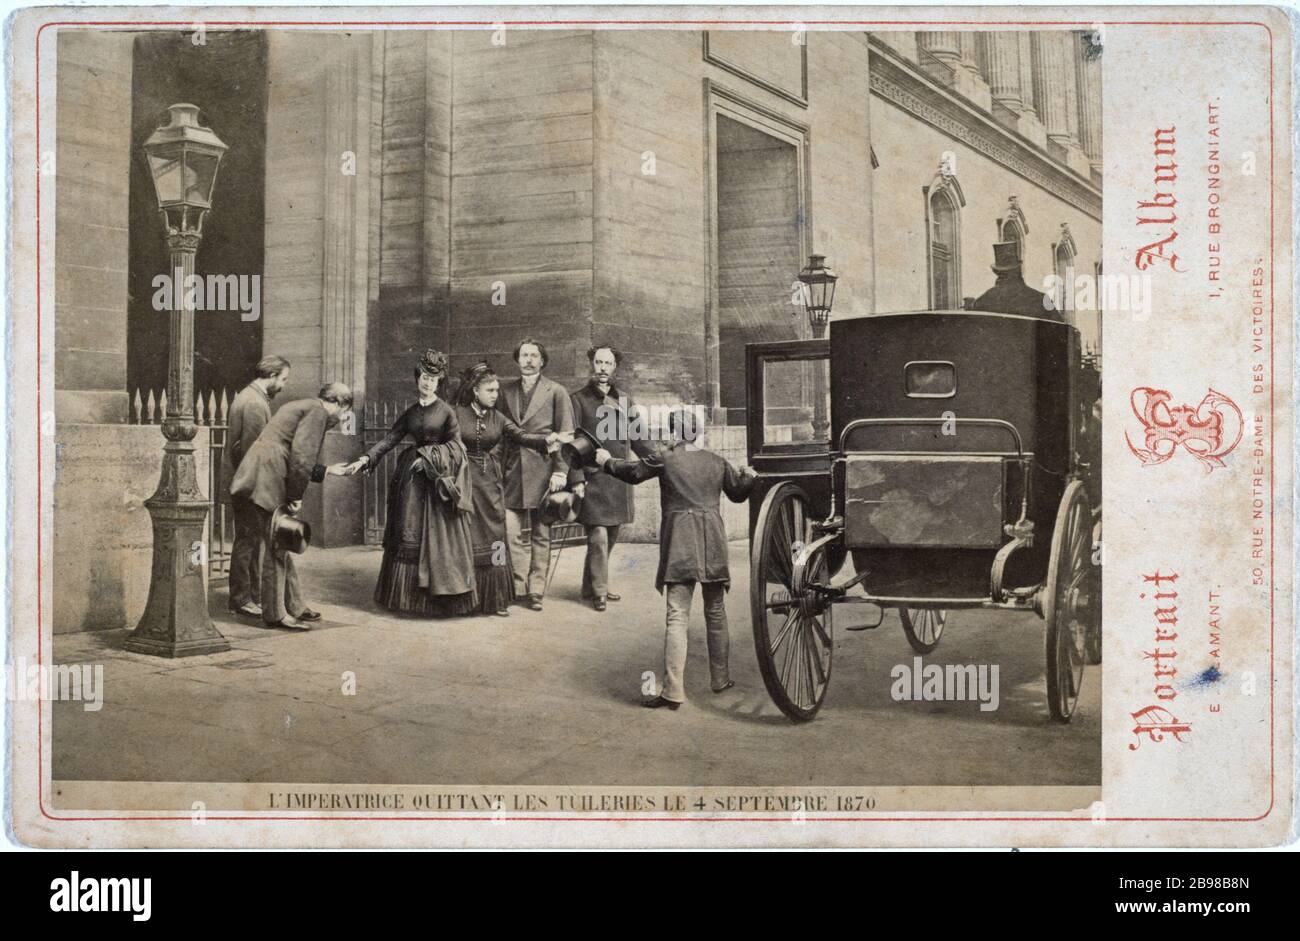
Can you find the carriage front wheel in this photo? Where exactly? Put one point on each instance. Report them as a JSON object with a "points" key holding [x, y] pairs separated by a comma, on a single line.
{"points": [[1070, 601], [792, 623]]}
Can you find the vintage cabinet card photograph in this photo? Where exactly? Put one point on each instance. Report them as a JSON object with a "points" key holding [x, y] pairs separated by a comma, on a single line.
{"points": [[651, 426]]}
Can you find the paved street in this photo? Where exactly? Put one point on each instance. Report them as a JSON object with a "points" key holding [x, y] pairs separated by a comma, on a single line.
{"points": [[552, 698]]}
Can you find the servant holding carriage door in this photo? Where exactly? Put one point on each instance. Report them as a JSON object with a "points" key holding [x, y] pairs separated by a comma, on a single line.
{"points": [[692, 544], [428, 564], [486, 433]]}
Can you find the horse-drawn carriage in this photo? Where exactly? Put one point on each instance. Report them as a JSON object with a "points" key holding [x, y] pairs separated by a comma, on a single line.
{"points": [[952, 456]]}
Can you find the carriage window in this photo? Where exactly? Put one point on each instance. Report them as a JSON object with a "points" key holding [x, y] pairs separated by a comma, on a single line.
{"points": [[930, 380], [796, 402]]}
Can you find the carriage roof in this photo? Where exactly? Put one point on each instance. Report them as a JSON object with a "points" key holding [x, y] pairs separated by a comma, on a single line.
{"points": [[992, 314]]}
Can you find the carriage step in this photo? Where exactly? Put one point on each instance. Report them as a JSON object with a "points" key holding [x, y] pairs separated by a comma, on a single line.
{"points": [[866, 627]]}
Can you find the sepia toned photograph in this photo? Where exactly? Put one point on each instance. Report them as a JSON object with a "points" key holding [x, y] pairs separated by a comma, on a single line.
{"points": [[370, 346]]}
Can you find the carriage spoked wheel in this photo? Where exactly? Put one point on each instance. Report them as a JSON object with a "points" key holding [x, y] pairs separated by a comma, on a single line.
{"points": [[793, 635], [1070, 602], [1092, 642], [923, 627]]}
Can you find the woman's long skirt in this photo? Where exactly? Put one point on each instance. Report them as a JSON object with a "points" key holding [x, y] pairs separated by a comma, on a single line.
{"points": [[399, 588], [493, 576]]}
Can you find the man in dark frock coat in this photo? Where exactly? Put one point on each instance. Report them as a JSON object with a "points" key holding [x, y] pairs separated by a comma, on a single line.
{"points": [[275, 473], [1010, 294], [692, 545], [609, 415], [539, 406], [249, 414]]}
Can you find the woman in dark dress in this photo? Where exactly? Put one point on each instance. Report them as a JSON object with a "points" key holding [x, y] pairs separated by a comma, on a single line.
{"points": [[428, 565], [485, 432]]}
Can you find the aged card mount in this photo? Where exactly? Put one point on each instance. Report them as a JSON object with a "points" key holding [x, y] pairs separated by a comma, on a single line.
{"points": [[957, 343]]}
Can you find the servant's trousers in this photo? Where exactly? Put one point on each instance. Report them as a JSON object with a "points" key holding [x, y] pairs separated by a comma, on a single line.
{"points": [[679, 597]]}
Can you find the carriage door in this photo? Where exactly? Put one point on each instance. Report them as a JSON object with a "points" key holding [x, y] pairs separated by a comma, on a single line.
{"points": [[788, 418]]}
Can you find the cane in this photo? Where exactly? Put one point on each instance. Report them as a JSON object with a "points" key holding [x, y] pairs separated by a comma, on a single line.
{"points": [[553, 563]]}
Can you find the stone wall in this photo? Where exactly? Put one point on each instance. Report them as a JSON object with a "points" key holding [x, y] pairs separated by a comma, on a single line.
{"points": [[92, 206], [103, 537]]}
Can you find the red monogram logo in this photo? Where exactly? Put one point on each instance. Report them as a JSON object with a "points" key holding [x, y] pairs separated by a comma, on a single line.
{"points": [[1200, 430]]}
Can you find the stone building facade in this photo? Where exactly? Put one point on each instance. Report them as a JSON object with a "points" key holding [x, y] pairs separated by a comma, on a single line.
{"points": [[657, 190]]}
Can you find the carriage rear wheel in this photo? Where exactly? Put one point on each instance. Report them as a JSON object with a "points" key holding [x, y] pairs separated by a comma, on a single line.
{"points": [[923, 627], [1092, 643], [793, 635], [1070, 601]]}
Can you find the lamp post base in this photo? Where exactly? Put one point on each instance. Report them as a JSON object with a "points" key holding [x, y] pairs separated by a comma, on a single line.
{"points": [[176, 621]]}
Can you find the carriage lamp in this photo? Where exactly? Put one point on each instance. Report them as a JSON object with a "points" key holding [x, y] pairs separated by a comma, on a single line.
{"points": [[183, 157], [818, 293]]}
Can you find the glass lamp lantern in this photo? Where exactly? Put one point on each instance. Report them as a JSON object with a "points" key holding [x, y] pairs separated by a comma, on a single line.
{"points": [[818, 293], [183, 159]]}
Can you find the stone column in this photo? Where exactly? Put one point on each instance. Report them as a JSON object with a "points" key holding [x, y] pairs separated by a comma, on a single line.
{"points": [[954, 63], [1056, 100], [1001, 55], [317, 218], [973, 84], [944, 45], [1049, 62], [1028, 122], [1088, 81], [347, 213], [345, 278], [1024, 47]]}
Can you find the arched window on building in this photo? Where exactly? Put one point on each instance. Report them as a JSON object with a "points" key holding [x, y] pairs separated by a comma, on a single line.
{"points": [[943, 204], [1013, 227], [1064, 252]]}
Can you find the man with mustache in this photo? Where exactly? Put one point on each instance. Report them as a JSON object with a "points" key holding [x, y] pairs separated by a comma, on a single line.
{"points": [[249, 414], [605, 412], [540, 407]]}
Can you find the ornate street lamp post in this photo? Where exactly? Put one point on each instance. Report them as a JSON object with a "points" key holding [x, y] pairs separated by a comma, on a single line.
{"points": [[183, 158], [818, 293], [818, 296]]}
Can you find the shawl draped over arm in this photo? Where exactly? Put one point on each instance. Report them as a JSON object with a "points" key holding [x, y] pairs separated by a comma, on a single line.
{"points": [[447, 467]]}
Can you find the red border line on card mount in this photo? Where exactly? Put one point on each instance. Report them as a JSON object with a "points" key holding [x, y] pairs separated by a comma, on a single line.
{"points": [[434, 24]]}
